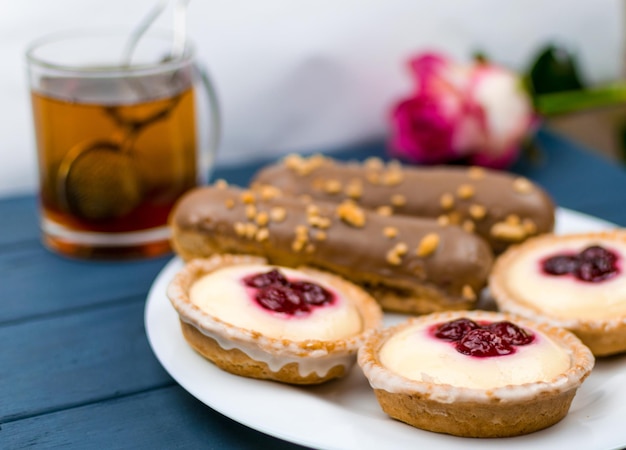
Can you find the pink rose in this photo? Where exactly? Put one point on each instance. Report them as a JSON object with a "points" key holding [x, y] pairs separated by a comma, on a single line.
{"points": [[476, 113]]}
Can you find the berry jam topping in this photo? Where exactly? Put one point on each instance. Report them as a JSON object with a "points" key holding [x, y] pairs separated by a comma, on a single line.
{"points": [[276, 293], [281, 299], [483, 340], [259, 280], [593, 264], [510, 333], [560, 265], [455, 329]]}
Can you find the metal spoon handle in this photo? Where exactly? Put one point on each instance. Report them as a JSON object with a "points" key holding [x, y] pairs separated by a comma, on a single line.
{"points": [[140, 30], [179, 29]]}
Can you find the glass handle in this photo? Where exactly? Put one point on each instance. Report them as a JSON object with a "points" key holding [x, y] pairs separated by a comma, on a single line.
{"points": [[208, 147]]}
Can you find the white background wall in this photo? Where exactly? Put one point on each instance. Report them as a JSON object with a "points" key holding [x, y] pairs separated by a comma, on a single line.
{"points": [[309, 74]]}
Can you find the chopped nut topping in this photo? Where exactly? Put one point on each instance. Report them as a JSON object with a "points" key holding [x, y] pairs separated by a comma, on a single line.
{"points": [[320, 235], [293, 161], [248, 197], [230, 203], [392, 177], [394, 255], [315, 219], [310, 248], [522, 186], [508, 232], [350, 213], [312, 209], [297, 245], [262, 218], [269, 192], [443, 220], [447, 201], [465, 191], [303, 166], [401, 248], [513, 219], [354, 189], [301, 238], [332, 186], [398, 200], [476, 173], [390, 232], [240, 228], [262, 234], [374, 163], [278, 214], [250, 211], [469, 226], [305, 198], [468, 293], [428, 245], [477, 211], [373, 177], [319, 221], [393, 258], [221, 184], [384, 210], [529, 226], [301, 230], [454, 217], [251, 230]]}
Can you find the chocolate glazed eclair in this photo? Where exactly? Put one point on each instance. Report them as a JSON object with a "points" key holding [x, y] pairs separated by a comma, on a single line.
{"points": [[408, 264], [502, 208]]}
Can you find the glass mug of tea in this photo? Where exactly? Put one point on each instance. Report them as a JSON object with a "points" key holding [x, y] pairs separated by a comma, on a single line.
{"points": [[123, 130]]}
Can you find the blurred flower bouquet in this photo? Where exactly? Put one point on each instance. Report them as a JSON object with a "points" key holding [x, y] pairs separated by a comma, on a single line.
{"points": [[477, 113]]}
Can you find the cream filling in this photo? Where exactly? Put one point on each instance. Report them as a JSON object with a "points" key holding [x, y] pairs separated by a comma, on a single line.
{"points": [[416, 355], [223, 295], [565, 296]]}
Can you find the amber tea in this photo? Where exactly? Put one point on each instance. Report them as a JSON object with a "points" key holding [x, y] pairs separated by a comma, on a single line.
{"points": [[112, 168]]}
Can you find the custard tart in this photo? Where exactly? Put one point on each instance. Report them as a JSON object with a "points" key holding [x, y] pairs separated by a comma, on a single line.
{"points": [[574, 281], [475, 373], [297, 326]]}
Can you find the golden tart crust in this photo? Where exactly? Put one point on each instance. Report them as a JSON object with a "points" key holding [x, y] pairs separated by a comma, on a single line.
{"points": [[249, 353], [601, 329], [508, 410]]}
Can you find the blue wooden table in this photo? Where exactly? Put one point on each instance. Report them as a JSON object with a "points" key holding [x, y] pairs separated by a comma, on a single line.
{"points": [[76, 370]]}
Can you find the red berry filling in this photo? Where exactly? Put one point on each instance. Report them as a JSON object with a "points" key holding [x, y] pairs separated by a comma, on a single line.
{"points": [[483, 340], [276, 293], [260, 280], [455, 329], [593, 264]]}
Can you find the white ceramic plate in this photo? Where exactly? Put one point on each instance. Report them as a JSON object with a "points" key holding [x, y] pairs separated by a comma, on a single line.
{"points": [[344, 414]]}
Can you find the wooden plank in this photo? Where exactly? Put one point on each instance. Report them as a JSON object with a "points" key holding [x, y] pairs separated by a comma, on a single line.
{"points": [[37, 282], [163, 418], [60, 361], [20, 221]]}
